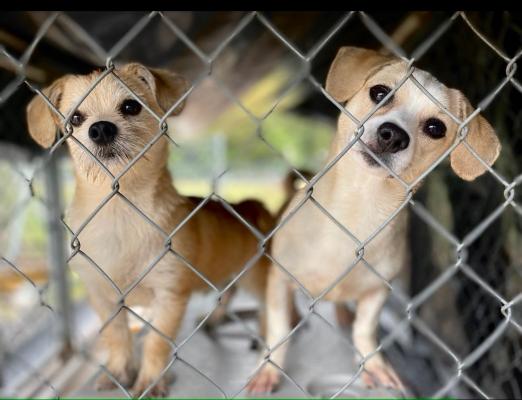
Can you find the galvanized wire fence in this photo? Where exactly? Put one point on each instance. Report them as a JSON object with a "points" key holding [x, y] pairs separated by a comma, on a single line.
{"points": [[461, 366]]}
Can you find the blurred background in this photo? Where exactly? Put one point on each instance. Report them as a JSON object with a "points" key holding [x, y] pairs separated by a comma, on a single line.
{"points": [[256, 114]]}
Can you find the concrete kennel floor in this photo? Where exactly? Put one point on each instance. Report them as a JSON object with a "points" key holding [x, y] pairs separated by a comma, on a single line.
{"points": [[318, 359]]}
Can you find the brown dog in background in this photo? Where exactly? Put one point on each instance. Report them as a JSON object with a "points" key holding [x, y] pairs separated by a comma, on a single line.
{"points": [[408, 134], [115, 128]]}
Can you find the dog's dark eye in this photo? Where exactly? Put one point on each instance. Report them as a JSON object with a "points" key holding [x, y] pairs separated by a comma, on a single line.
{"points": [[130, 107], [379, 92], [77, 118], [434, 128]]}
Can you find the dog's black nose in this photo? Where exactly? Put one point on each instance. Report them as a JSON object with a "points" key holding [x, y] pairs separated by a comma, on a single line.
{"points": [[103, 132], [392, 138]]}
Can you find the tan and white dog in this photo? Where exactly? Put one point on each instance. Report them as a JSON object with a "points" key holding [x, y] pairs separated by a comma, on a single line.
{"points": [[408, 133], [115, 128]]}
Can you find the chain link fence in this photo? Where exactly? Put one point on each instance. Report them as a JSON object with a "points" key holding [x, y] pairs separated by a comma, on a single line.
{"points": [[458, 311]]}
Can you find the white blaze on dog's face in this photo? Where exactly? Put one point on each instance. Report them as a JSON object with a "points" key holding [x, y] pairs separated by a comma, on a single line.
{"points": [[109, 122], [409, 132]]}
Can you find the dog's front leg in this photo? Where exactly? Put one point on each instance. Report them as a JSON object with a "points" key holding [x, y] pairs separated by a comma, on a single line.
{"points": [[376, 369], [117, 339], [279, 305], [168, 310]]}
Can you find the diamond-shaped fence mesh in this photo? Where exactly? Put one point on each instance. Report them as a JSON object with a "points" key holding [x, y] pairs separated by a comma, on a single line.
{"points": [[256, 116]]}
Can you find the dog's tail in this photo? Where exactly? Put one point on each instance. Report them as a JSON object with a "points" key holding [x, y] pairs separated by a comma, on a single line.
{"points": [[255, 213], [291, 185]]}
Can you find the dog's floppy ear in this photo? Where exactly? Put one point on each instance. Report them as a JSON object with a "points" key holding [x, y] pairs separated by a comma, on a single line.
{"points": [[166, 85], [481, 137], [350, 69], [42, 121]]}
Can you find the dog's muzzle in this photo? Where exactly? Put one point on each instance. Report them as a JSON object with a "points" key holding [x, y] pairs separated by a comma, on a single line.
{"points": [[391, 138], [103, 132]]}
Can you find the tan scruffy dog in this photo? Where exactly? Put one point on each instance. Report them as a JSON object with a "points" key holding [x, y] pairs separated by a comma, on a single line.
{"points": [[408, 134], [115, 128]]}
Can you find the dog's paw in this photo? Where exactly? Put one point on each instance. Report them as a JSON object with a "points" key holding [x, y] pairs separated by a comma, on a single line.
{"points": [[380, 374], [265, 382], [159, 389], [125, 378]]}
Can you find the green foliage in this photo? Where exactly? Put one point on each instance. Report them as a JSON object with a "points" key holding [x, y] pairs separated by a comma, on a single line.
{"points": [[302, 140], [283, 135]]}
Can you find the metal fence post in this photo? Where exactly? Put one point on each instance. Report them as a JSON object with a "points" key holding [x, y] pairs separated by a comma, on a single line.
{"points": [[57, 251], [2, 360]]}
